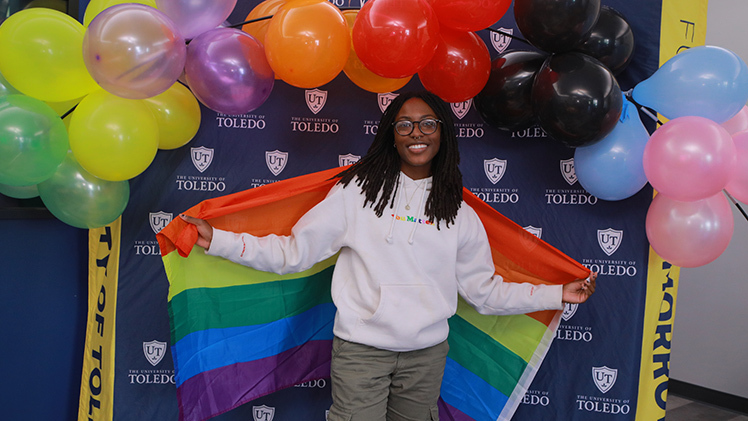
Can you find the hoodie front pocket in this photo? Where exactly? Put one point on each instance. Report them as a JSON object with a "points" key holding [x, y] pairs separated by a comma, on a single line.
{"points": [[406, 310]]}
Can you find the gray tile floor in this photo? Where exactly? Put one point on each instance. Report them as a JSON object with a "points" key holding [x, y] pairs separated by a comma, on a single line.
{"points": [[681, 409]]}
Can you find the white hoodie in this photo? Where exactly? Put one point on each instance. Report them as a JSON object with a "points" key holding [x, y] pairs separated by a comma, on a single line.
{"points": [[396, 280]]}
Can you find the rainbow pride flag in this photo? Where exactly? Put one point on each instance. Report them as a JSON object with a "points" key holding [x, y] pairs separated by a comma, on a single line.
{"points": [[239, 334]]}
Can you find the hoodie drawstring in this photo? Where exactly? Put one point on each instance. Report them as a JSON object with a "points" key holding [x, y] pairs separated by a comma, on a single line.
{"points": [[420, 206], [397, 206]]}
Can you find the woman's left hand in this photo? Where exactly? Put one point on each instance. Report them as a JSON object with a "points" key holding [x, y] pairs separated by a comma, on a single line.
{"points": [[579, 291]]}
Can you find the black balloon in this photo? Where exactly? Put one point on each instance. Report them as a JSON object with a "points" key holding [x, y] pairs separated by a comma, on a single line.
{"points": [[611, 40], [506, 100], [576, 99], [556, 26]]}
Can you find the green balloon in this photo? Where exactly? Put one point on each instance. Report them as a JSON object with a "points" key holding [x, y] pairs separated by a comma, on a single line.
{"points": [[77, 198], [33, 140], [19, 192]]}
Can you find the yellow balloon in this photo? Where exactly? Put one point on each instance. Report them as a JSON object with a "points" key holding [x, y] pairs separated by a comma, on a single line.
{"points": [[41, 55], [361, 75], [113, 138], [97, 6], [178, 115]]}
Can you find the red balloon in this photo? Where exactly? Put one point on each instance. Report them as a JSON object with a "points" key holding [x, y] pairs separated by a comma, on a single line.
{"points": [[460, 67], [395, 38], [469, 15]]}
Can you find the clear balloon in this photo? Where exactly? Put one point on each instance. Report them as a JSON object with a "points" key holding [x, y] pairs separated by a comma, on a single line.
{"points": [[738, 122], [82, 200], [704, 81], [469, 15], [506, 100], [396, 39], [611, 40], [612, 168], [556, 26], [193, 17], [689, 234], [97, 6], [19, 192], [576, 99], [459, 68], [113, 138], [362, 76], [227, 71], [307, 43], [40, 55], [33, 140], [689, 158], [737, 186], [134, 51], [178, 115]]}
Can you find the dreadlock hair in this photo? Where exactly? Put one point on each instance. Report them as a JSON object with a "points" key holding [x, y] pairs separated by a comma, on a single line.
{"points": [[379, 170]]}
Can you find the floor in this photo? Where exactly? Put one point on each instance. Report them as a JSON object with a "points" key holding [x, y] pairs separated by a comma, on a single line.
{"points": [[682, 409]]}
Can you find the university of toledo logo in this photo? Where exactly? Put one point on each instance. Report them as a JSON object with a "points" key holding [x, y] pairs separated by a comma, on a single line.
{"points": [[202, 157], [460, 109], [604, 377], [567, 170], [315, 99], [499, 41], [276, 161], [159, 220], [494, 169], [609, 240], [530, 237], [347, 159], [569, 310], [384, 100], [154, 351], [263, 413]]}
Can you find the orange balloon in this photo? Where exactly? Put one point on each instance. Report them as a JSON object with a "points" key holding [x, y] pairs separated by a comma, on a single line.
{"points": [[307, 43], [361, 75], [258, 29]]}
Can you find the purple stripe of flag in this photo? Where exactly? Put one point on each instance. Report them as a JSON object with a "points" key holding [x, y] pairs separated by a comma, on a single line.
{"points": [[448, 412]]}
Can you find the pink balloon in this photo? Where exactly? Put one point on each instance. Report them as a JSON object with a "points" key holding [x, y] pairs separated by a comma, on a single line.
{"points": [[193, 17], [689, 158], [738, 122], [689, 234], [738, 184]]}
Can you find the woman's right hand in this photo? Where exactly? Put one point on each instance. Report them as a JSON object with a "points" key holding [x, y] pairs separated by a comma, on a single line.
{"points": [[204, 230]]}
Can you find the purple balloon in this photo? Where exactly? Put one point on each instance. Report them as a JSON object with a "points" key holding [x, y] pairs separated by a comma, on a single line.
{"points": [[227, 71], [193, 17]]}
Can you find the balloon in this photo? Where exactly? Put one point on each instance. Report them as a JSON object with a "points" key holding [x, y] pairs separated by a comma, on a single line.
{"points": [[689, 158], [97, 6], [704, 81], [363, 77], [738, 183], [738, 122], [19, 192], [193, 17], [469, 15], [612, 168], [611, 40], [33, 140], [307, 43], [576, 99], [113, 138], [556, 26], [396, 39], [6, 88], [177, 114], [134, 51], [77, 198], [228, 72], [459, 68], [506, 102], [689, 234], [258, 29], [40, 55]]}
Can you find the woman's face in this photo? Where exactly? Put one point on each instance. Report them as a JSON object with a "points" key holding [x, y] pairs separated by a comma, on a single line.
{"points": [[417, 149]]}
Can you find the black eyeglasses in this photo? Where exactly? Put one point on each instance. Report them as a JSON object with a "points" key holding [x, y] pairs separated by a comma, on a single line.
{"points": [[426, 126]]}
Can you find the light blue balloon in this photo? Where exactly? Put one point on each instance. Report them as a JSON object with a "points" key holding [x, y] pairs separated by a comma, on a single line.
{"points": [[704, 81], [612, 168]]}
